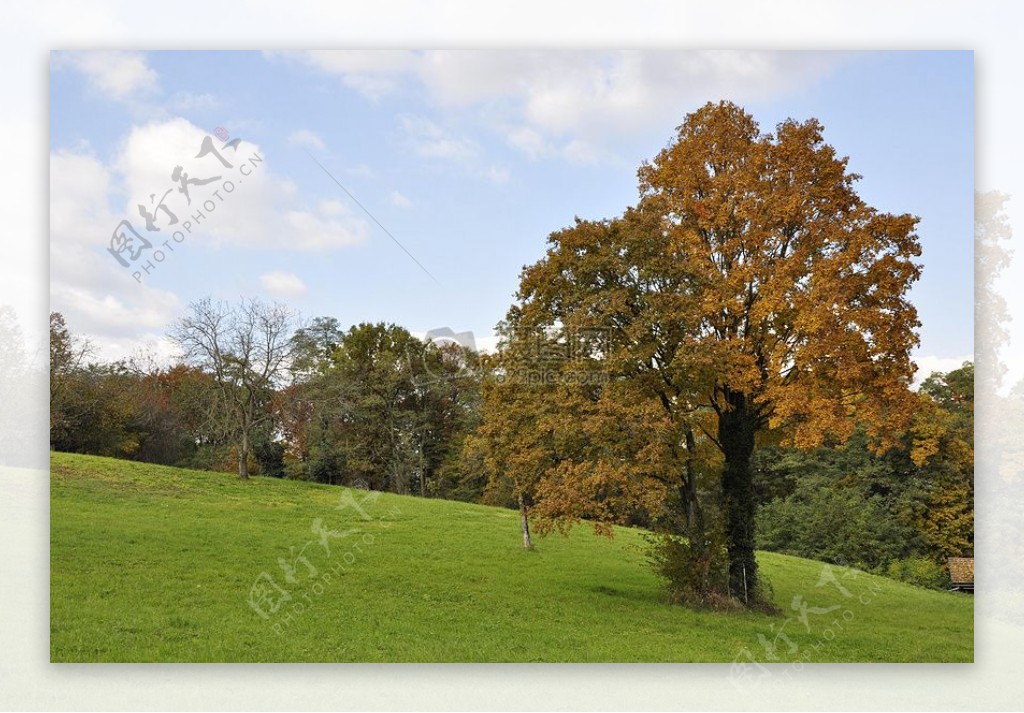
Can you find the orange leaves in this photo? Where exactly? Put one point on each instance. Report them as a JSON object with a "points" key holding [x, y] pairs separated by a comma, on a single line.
{"points": [[750, 267], [799, 288], [930, 427]]}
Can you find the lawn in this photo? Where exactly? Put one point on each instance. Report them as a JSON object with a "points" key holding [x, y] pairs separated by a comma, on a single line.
{"points": [[150, 563]]}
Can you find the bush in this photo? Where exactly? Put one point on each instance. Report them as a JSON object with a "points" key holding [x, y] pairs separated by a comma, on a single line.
{"points": [[220, 458], [919, 571], [699, 578], [825, 522], [695, 576]]}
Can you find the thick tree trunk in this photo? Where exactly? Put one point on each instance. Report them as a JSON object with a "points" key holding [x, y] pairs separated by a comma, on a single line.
{"points": [[736, 428], [524, 523]]}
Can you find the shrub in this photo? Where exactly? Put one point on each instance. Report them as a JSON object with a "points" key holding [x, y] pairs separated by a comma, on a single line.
{"points": [[920, 571], [695, 576]]}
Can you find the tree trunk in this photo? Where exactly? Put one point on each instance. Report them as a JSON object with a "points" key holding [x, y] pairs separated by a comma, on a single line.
{"points": [[702, 558], [524, 523], [243, 457], [694, 514], [736, 428]]}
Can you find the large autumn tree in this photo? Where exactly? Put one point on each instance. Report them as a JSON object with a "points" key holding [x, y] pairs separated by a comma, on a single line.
{"points": [[750, 289]]}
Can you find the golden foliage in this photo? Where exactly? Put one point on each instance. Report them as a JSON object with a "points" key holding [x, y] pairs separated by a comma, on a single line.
{"points": [[749, 273]]}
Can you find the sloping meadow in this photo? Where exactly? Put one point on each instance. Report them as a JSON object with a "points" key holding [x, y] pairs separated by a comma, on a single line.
{"points": [[150, 563]]}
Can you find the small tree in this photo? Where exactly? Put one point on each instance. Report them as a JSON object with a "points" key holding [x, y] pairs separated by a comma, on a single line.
{"points": [[514, 441], [246, 349]]}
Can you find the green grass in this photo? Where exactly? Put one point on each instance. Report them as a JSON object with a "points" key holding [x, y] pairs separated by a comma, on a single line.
{"points": [[150, 563]]}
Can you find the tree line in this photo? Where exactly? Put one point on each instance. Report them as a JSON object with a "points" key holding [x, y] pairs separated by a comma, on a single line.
{"points": [[375, 407], [253, 393], [730, 356]]}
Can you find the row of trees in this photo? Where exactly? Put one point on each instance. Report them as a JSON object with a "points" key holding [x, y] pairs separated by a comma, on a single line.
{"points": [[253, 392], [375, 407], [122, 409], [902, 513], [738, 339]]}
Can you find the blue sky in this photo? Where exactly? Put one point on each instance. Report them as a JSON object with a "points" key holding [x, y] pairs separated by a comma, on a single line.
{"points": [[469, 159]]}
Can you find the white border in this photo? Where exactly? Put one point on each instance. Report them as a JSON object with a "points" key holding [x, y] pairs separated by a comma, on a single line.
{"points": [[28, 681]]}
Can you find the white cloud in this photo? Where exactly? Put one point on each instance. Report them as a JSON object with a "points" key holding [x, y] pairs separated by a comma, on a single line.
{"points": [[465, 77], [368, 62], [495, 174], [529, 141], [156, 349], [331, 207], [579, 151], [399, 200], [89, 198], [928, 363], [263, 211], [360, 170], [187, 101], [532, 143], [313, 230], [115, 73], [598, 95], [488, 344], [305, 138], [96, 295], [569, 104], [373, 73], [431, 141], [283, 284]]}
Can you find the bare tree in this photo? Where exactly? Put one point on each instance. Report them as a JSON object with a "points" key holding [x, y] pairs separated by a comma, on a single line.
{"points": [[246, 349]]}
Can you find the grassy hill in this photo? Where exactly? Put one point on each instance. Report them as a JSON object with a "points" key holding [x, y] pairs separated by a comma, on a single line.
{"points": [[150, 563]]}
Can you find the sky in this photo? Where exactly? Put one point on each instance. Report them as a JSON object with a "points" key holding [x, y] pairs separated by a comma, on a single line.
{"points": [[412, 187]]}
